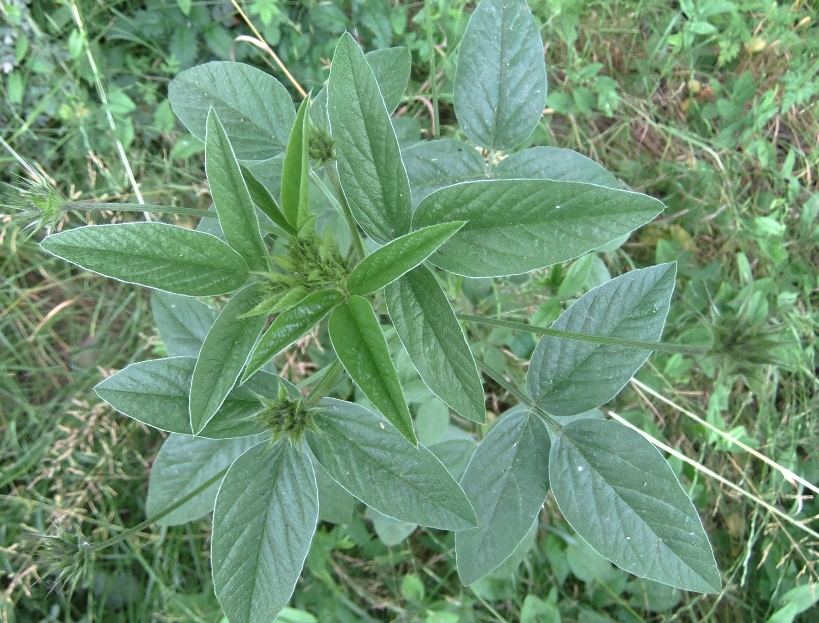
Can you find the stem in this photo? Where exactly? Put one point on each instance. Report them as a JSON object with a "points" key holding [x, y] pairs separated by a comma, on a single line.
{"points": [[95, 547], [325, 384], [433, 72], [94, 206], [585, 337], [514, 391], [345, 209]]}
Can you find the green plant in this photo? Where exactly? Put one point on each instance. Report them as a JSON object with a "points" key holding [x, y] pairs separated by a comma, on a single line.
{"points": [[277, 456]]}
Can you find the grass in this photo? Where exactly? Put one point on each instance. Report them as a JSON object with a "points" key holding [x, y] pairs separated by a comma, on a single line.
{"points": [[737, 168]]}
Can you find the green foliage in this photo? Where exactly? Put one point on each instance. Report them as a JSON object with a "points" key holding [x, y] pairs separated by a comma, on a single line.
{"points": [[752, 303], [504, 226]]}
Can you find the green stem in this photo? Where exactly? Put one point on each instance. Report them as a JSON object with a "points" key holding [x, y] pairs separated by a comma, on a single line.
{"points": [[345, 209], [514, 391], [433, 72], [94, 206], [326, 383], [584, 337], [95, 547]]}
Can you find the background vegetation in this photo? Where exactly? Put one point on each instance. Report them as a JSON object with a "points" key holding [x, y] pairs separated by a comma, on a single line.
{"points": [[709, 106]]}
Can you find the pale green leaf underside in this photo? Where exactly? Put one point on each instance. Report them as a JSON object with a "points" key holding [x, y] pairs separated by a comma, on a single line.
{"points": [[435, 164], [265, 516], [182, 322], [231, 198], [183, 464], [155, 255], [155, 392], [500, 83], [435, 342], [362, 350], [397, 257], [367, 456], [566, 377], [223, 355], [506, 481], [370, 169], [291, 325], [621, 496], [554, 163], [254, 107], [515, 226]]}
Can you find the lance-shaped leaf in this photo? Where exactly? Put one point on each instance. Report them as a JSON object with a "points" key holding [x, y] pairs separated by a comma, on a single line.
{"points": [[566, 377], [266, 514], [155, 255], [291, 325], [182, 322], [362, 350], [183, 465], [223, 355], [155, 392], [367, 456], [553, 163], [435, 164], [435, 342], [506, 481], [370, 169], [237, 214], [398, 257], [254, 107], [296, 170], [514, 226], [500, 83], [262, 198], [622, 497], [391, 68]]}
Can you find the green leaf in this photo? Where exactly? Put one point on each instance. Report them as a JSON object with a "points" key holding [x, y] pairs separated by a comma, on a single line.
{"points": [[155, 255], [391, 532], [535, 610], [269, 174], [263, 200], [367, 456], [617, 491], [435, 164], [370, 169], [566, 377], [391, 67], [266, 514], [506, 481], [237, 214], [362, 350], [399, 256], [427, 326], [455, 454], [223, 355], [335, 503], [183, 322], [155, 392], [554, 163], [182, 465], [291, 325], [254, 107], [296, 170], [515, 226], [500, 83]]}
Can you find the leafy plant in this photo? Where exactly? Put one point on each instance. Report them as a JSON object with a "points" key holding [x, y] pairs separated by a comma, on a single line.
{"points": [[371, 236]]}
